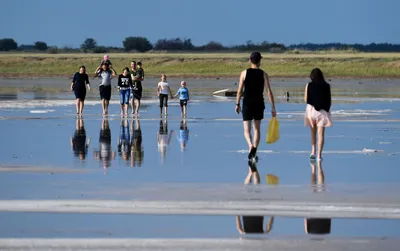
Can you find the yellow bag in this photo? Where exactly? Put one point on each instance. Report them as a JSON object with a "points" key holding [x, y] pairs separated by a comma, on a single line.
{"points": [[273, 131]]}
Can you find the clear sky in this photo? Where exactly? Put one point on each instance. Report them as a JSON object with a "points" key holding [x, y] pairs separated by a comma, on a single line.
{"points": [[70, 22]]}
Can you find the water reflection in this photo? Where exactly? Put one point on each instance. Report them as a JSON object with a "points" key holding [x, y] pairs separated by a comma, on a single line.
{"points": [[163, 138], [183, 135], [105, 153], [253, 224], [317, 225], [124, 140], [78, 142], [137, 152]]}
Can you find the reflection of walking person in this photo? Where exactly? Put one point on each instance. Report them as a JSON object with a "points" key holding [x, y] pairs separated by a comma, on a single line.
{"points": [[183, 94], [163, 138], [183, 135], [105, 73], [79, 144], [137, 153], [162, 91], [251, 85], [105, 153], [78, 85], [124, 147], [317, 95], [137, 75], [317, 225], [253, 224]]}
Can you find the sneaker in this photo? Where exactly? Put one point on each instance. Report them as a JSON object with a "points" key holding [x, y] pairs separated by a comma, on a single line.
{"points": [[312, 157]]}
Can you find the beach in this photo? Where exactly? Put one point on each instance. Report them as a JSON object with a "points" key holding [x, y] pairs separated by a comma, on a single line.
{"points": [[38, 163]]}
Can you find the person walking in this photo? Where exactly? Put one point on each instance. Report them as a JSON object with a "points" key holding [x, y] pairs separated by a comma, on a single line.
{"points": [[79, 84], [317, 96], [251, 86]]}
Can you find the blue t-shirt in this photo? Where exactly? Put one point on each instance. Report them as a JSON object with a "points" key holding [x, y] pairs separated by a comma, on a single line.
{"points": [[183, 93]]}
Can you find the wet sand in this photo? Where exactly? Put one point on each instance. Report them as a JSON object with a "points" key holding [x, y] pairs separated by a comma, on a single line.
{"points": [[39, 163]]}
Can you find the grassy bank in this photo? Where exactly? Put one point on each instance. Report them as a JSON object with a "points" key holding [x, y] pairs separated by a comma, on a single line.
{"points": [[362, 65]]}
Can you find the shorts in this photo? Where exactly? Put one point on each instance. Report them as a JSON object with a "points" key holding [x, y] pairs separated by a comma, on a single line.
{"points": [[163, 100], [80, 93], [135, 94], [124, 96], [253, 112], [105, 92], [183, 102]]}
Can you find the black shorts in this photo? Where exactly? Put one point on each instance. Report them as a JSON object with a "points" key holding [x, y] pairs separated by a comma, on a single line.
{"points": [[163, 100], [80, 93], [183, 102], [253, 112], [105, 92]]}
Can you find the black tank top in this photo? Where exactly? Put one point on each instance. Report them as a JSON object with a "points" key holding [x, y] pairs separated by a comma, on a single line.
{"points": [[253, 87]]}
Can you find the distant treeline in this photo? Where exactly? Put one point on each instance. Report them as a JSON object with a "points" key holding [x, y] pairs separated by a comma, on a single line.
{"points": [[142, 44]]}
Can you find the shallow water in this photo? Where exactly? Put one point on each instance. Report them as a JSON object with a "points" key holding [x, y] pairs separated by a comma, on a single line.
{"points": [[38, 161]]}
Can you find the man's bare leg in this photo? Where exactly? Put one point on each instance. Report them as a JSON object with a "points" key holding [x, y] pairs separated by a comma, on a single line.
{"points": [[257, 129], [247, 133]]}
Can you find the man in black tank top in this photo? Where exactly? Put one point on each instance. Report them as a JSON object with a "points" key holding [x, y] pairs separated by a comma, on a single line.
{"points": [[251, 86]]}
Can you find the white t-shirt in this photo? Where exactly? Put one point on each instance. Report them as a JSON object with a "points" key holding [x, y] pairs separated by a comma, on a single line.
{"points": [[163, 87]]}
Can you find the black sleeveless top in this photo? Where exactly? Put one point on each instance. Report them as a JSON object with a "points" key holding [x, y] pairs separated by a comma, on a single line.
{"points": [[319, 95], [253, 87], [253, 224]]}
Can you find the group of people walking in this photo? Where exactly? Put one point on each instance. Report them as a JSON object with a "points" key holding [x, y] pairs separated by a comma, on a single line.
{"points": [[129, 85]]}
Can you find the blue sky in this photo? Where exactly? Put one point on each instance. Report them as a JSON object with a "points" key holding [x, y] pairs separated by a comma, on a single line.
{"points": [[69, 23]]}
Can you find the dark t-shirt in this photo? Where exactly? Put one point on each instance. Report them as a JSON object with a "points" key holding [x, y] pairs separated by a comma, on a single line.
{"points": [[137, 84], [124, 81], [80, 80], [106, 62]]}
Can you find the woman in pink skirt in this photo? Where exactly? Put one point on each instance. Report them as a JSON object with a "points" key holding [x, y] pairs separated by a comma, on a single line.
{"points": [[317, 95]]}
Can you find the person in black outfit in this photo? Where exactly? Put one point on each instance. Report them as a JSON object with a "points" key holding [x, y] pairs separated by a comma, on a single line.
{"points": [[251, 86], [317, 225], [253, 224], [78, 142], [317, 95], [78, 85]]}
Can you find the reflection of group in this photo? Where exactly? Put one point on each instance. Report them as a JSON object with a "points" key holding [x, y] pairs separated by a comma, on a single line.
{"points": [[255, 224], [129, 143]]}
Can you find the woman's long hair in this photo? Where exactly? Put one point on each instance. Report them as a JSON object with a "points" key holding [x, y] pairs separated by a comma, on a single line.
{"points": [[316, 75]]}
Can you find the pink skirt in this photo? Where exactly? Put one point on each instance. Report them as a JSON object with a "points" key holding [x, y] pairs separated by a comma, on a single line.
{"points": [[321, 118]]}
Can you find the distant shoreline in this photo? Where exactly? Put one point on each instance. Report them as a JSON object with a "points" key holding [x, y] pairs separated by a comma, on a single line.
{"points": [[205, 65]]}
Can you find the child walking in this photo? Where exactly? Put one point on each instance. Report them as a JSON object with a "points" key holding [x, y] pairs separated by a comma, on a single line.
{"points": [[183, 93], [162, 91]]}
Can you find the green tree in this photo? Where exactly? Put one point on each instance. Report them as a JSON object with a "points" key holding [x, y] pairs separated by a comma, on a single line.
{"points": [[8, 44], [140, 44], [88, 44], [41, 46]]}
